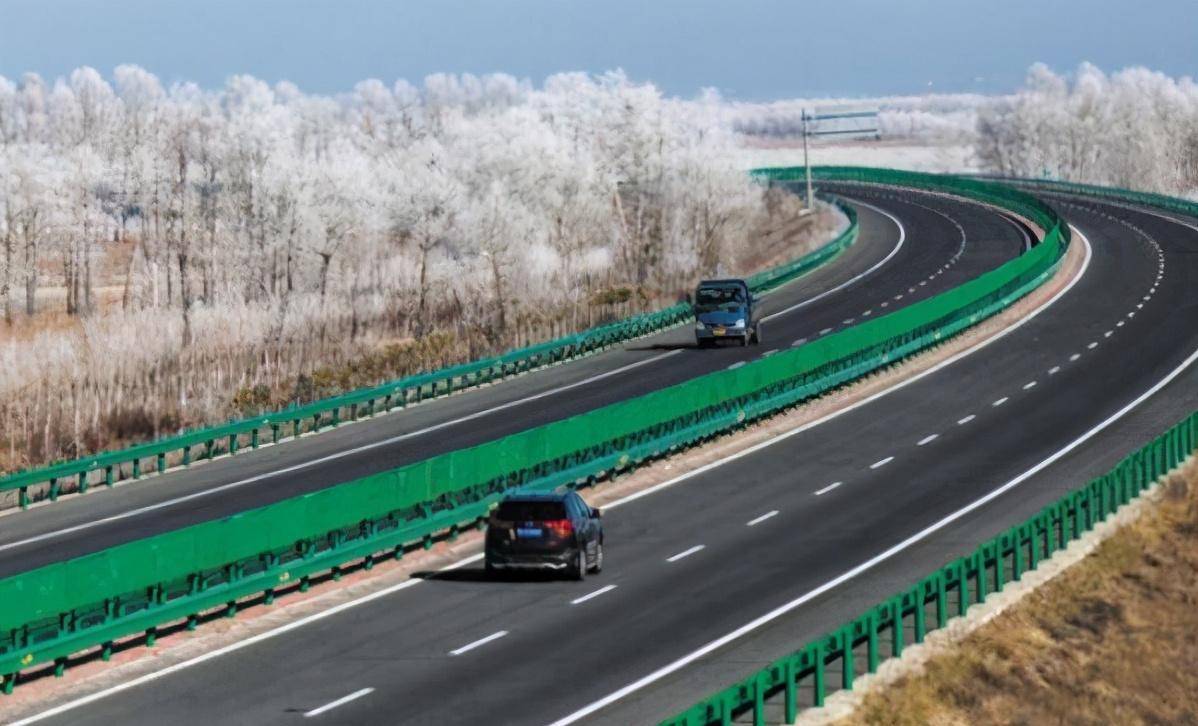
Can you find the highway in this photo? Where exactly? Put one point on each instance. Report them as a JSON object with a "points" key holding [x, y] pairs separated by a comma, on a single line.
{"points": [[710, 578], [912, 245]]}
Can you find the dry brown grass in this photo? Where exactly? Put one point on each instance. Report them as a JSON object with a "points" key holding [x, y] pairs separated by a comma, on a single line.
{"points": [[1112, 640]]}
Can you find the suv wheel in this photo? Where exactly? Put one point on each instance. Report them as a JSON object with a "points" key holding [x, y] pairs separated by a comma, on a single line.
{"points": [[757, 334], [598, 566], [579, 569]]}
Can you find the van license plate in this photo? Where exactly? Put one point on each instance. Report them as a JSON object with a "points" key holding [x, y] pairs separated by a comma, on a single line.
{"points": [[718, 331], [528, 533]]}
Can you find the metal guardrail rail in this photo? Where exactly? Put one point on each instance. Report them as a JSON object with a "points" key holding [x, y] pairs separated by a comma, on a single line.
{"points": [[50, 613], [108, 468]]}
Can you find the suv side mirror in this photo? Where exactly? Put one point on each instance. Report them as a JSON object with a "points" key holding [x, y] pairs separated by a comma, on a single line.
{"points": [[595, 513]]}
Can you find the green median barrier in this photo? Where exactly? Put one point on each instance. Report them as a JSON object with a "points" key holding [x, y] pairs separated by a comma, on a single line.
{"points": [[830, 662], [111, 467], [51, 612]]}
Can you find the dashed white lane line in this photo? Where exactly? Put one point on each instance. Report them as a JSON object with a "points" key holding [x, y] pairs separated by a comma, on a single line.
{"points": [[480, 642], [762, 518], [1029, 385], [885, 303], [736, 365], [1139, 305], [867, 313], [1132, 314], [1054, 370], [898, 297], [1000, 401], [1074, 357], [828, 488], [927, 439], [1108, 333], [922, 283], [1119, 324], [967, 419], [883, 462], [594, 594], [768, 353], [849, 321], [825, 331], [339, 702], [685, 553], [1093, 345], [798, 342]]}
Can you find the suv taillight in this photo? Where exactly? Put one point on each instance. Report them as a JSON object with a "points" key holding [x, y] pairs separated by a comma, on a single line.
{"points": [[560, 527]]}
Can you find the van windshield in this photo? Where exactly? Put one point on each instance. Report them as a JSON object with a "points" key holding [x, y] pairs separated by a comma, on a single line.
{"points": [[711, 299]]}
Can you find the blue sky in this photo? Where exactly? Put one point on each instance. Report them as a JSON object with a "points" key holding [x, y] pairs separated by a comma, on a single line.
{"points": [[749, 49]]}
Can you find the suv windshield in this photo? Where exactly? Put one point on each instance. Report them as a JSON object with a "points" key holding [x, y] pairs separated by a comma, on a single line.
{"points": [[518, 511], [711, 299]]}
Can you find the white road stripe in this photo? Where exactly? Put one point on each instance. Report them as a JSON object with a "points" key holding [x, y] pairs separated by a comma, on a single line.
{"points": [[339, 702], [1093, 345], [685, 553], [762, 518], [849, 321], [851, 281], [594, 594], [798, 342], [1074, 357], [927, 439], [768, 353], [783, 436], [966, 420], [828, 488], [883, 462], [1108, 333], [479, 642], [867, 313], [736, 365], [680, 663], [1054, 370], [1029, 385], [1119, 324], [825, 331], [1000, 401]]}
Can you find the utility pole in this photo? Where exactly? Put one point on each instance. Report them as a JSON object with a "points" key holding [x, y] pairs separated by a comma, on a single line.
{"points": [[807, 163]]}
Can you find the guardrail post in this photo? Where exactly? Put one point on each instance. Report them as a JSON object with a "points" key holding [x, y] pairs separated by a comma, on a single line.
{"points": [[336, 416], [108, 481], [941, 600], [161, 462], [232, 444], [846, 658], [818, 676], [60, 667], [53, 489], [871, 624], [208, 446], [896, 626], [151, 637], [137, 468], [106, 651], [186, 456], [758, 701], [82, 482], [8, 682], [274, 433], [791, 705], [921, 625], [254, 438]]}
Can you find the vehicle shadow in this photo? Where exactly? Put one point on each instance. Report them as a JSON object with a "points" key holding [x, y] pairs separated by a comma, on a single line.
{"points": [[664, 346], [479, 574]]}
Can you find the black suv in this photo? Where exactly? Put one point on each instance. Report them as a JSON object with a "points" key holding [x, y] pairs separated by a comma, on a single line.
{"points": [[545, 532]]}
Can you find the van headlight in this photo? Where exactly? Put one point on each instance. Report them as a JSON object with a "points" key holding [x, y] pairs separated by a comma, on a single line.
{"points": [[699, 325], [740, 323]]}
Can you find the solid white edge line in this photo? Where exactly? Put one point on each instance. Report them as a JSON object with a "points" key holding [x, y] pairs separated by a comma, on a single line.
{"points": [[294, 625], [686, 553], [873, 561], [851, 281], [927, 439], [597, 593], [339, 702], [478, 643], [762, 518], [324, 459]]}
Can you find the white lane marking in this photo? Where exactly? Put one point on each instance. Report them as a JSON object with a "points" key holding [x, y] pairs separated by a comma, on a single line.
{"points": [[1000, 401], [910, 290], [853, 572], [762, 518], [768, 353], [867, 313], [685, 553], [321, 460], [1108, 333], [480, 642], [1139, 305], [883, 462], [849, 321], [1054, 370], [597, 593], [967, 419], [885, 303], [853, 280], [798, 342], [1029, 385], [337, 609], [1074, 357], [339, 702], [830, 487], [922, 283], [898, 297], [825, 331], [1093, 345], [1119, 324], [1132, 314], [927, 439], [736, 365]]}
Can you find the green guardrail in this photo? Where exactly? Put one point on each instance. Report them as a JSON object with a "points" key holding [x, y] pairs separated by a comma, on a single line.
{"points": [[110, 467], [1148, 199], [832, 661], [54, 611]]}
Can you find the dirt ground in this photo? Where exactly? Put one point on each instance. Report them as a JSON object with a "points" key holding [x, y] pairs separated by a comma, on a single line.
{"points": [[1111, 640]]}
